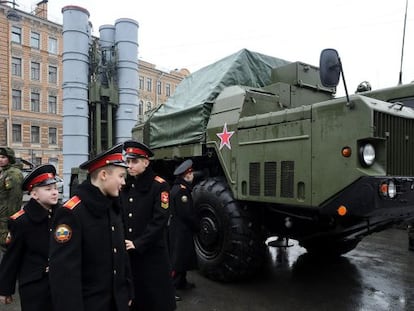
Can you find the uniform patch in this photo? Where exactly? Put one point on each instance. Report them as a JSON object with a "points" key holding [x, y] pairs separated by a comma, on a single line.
{"points": [[8, 238], [63, 233], [8, 183], [17, 214], [182, 186], [184, 199], [165, 199], [72, 202], [159, 179]]}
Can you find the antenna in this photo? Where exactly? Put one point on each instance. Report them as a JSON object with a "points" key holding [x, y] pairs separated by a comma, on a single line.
{"points": [[403, 39]]}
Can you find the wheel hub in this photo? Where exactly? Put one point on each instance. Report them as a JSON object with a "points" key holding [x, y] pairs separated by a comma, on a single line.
{"points": [[208, 232]]}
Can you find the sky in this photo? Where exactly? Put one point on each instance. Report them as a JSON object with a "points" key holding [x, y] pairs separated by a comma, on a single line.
{"points": [[368, 35]]}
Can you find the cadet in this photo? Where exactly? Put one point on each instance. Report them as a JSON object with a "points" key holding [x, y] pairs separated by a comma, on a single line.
{"points": [[183, 226], [89, 267], [11, 194], [26, 258], [145, 200]]}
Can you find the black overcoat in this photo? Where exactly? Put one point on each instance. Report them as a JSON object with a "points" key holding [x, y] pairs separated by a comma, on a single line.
{"points": [[145, 201], [26, 257], [184, 224], [89, 265]]}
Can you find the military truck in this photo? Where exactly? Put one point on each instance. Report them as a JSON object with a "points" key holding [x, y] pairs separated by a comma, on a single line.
{"points": [[279, 155]]}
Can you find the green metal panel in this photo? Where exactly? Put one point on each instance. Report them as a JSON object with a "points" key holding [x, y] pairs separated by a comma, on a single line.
{"points": [[276, 143], [336, 126]]}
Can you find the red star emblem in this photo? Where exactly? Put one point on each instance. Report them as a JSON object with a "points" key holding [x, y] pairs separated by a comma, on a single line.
{"points": [[225, 137]]}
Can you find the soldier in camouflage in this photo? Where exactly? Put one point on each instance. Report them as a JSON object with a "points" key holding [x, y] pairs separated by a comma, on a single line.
{"points": [[11, 193]]}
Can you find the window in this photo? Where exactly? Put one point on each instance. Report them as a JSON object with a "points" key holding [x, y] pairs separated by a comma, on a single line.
{"points": [[35, 134], [16, 66], [159, 84], [149, 84], [35, 102], [52, 47], [35, 40], [168, 89], [35, 71], [52, 104], [16, 99], [140, 108], [52, 74], [148, 106], [52, 136], [17, 133], [16, 34], [141, 83]]}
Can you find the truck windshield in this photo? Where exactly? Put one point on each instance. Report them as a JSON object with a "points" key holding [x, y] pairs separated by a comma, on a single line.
{"points": [[407, 101]]}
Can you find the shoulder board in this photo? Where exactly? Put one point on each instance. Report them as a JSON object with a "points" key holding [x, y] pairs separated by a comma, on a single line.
{"points": [[72, 202], [17, 214], [182, 186], [159, 179]]}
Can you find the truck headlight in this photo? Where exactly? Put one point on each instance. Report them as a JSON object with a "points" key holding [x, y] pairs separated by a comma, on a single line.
{"points": [[367, 155], [388, 189]]}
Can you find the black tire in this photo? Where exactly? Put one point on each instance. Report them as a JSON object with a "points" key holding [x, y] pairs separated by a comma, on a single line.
{"points": [[329, 249], [229, 246]]}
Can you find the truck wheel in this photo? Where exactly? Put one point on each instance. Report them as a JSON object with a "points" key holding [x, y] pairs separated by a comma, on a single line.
{"points": [[229, 246], [329, 249]]}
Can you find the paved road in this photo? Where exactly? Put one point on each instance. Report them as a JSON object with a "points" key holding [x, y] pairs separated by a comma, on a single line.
{"points": [[378, 275]]}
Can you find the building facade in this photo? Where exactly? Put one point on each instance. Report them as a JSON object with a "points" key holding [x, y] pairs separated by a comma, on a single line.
{"points": [[31, 107], [155, 86]]}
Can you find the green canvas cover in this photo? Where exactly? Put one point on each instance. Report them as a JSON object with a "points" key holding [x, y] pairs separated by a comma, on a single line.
{"points": [[184, 117]]}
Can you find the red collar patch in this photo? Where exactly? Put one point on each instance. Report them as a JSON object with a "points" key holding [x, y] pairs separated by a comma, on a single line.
{"points": [[17, 214], [72, 202]]}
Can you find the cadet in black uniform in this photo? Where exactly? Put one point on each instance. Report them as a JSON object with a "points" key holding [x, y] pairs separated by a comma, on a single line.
{"points": [[89, 267], [183, 226], [26, 257], [145, 201]]}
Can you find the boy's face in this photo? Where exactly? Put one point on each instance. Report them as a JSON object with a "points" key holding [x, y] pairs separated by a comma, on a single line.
{"points": [[4, 160], [47, 196], [137, 166], [113, 180]]}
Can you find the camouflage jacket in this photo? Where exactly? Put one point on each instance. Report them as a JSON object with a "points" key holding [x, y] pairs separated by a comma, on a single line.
{"points": [[11, 196]]}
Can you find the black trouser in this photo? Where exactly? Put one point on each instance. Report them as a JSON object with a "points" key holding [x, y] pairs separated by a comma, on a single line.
{"points": [[180, 279]]}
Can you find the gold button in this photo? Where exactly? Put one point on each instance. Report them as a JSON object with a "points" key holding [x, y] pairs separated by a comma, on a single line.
{"points": [[115, 250], [114, 272], [130, 229], [130, 215], [131, 200]]}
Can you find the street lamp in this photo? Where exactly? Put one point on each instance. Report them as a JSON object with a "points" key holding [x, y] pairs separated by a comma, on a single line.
{"points": [[12, 14]]}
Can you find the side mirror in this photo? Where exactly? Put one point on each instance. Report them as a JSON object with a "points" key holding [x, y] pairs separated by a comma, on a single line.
{"points": [[330, 68]]}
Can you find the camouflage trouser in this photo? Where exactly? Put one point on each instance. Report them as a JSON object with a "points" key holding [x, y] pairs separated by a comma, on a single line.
{"points": [[3, 234]]}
